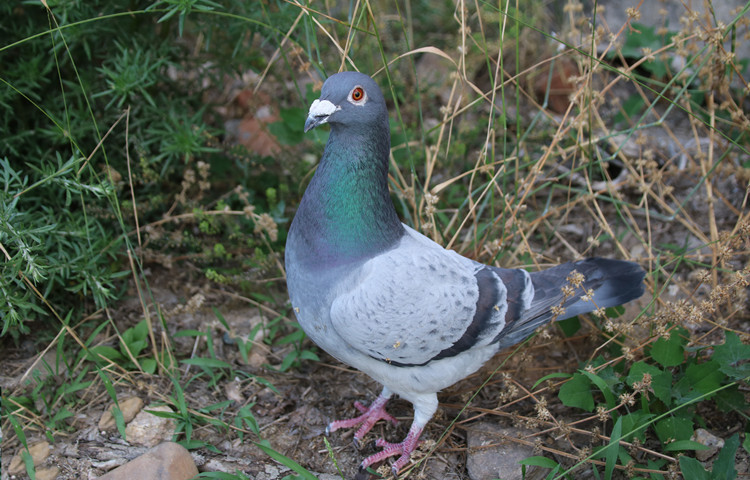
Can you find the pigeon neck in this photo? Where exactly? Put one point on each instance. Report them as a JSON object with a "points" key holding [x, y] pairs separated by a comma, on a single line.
{"points": [[346, 213]]}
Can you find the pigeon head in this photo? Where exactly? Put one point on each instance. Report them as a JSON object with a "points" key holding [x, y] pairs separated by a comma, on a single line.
{"points": [[346, 213], [350, 100]]}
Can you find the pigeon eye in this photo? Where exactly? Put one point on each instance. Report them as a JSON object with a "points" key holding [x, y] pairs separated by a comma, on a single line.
{"points": [[357, 95]]}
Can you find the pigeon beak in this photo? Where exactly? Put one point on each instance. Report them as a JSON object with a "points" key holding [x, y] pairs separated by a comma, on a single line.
{"points": [[319, 112]]}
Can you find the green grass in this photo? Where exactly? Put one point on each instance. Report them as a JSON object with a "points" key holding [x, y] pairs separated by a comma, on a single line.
{"points": [[517, 147]]}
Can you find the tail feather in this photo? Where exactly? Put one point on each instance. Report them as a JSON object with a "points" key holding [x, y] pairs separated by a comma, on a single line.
{"points": [[614, 282], [621, 283]]}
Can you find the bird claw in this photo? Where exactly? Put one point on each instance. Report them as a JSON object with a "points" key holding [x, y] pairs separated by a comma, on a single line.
{"points": [[404, 449], [370, 416]]}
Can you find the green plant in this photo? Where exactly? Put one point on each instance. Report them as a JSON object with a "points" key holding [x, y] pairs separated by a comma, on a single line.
{"points": [[133, 342], [52, 248], [102, 137], [224, 475], [658, 396], [299, 353], [25, 454], [304, 474]]}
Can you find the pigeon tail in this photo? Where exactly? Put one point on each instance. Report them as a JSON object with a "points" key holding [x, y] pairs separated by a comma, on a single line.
{"points": [[613, 282]]}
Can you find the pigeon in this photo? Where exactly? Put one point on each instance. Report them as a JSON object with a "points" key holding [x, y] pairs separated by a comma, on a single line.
{"points": [[383, 298]]}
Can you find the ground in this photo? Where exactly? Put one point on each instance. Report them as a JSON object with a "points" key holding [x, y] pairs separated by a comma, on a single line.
{"points": [[294, 416]]}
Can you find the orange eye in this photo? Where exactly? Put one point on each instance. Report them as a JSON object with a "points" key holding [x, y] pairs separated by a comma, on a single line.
{"points": [[357, 94]]}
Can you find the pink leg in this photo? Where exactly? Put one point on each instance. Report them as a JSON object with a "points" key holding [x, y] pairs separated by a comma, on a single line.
{"points": [[404, 449], [424, 407], [367, 420]]}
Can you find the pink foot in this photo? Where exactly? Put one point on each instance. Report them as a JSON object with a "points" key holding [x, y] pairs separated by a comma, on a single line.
{"points": [[369, 417], [404, 449]]}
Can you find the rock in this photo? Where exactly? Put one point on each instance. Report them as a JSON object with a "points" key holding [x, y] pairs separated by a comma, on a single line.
{"points": [[168, 461], [149, 430], [257, 359], [129, 408], [233, 391], [704, 437], [48, 473], [441, 465], [216, 465], [39, 451], [434, 73], [492, 455], [271, 472]]}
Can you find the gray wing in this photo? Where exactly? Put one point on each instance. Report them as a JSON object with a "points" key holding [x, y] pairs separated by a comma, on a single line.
{"points": [[419, 302]]}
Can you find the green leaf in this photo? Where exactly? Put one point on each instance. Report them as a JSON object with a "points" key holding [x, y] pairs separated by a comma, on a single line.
{"points": [[221, 318], [634, 425], [661, 381], [116, 412], [569, 326], [638, 369], [550, 376], [296, 336], [614, 312], [733, 357], [290, 130], [670, 352], [105, 351], [699, 380], [28, 461], [266, 383], [246, 416], [539, 461], [576, 392], [643, 37], [140, 330], [613, 449], [135, 347], [263, 298], [73, 387], [164, 414], [286, 461], [148, 365], [309, 355], [674, 428], [223, 475], [190, 333], [208, 363], [681, 445], [194, 444], [136, 333], [692, 469], [730, 399], [604, 387], [724, 465], [632, 107], [288, 360], [61, 415]]}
